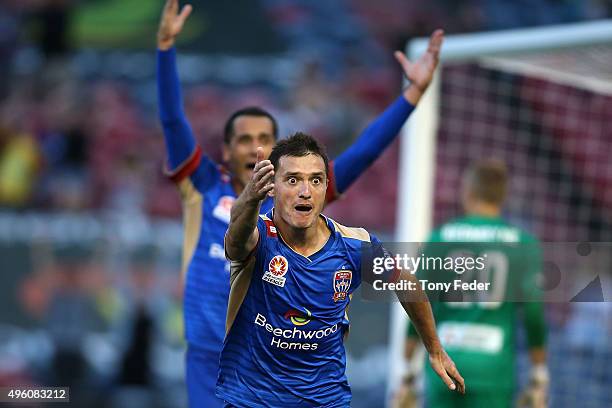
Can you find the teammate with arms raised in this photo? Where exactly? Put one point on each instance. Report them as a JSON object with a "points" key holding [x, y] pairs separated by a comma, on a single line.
{"points": [[293, 273], [208, 190], [480, 335]]}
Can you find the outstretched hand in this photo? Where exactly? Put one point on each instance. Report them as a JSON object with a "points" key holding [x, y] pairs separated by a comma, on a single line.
{"points": [[446, 370], [420, 72], [262, 181], [171, 23]]}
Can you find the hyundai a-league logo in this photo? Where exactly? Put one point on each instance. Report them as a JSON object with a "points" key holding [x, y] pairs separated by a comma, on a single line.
{"points": [[277, 268], [342, 283], [278, 265]]}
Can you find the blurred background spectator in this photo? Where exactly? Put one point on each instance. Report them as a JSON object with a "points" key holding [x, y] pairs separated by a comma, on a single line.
{"points": [[78, 112]]}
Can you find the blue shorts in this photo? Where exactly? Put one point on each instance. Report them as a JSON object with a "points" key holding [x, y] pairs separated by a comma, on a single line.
{"points": [[201, 377]]}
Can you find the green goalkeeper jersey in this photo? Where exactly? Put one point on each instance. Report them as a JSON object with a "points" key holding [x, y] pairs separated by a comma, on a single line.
{"points": [[477, 333]]}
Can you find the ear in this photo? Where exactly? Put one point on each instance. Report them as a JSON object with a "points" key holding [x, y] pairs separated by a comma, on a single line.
{"points": [[467, 199], [226, 153], [271, 193]]}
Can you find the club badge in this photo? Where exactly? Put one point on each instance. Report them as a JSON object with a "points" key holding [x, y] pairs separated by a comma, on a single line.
{"points": [[342, 283]]}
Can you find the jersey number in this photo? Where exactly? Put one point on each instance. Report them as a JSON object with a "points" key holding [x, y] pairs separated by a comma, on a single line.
{"points": [[496, 272]]}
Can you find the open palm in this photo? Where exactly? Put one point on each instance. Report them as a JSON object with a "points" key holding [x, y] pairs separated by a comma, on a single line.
{"points": [[171, 23], [420, 72]]}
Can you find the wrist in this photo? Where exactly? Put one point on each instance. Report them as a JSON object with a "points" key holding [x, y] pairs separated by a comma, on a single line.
{"points": [[164, 44], [410, 372], [408, 378], [434, 347], [412, 93], [252, 200], [539, 374]]}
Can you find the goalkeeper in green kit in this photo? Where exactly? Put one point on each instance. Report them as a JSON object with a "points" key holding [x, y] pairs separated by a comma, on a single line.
{"points": [[478, 333]]}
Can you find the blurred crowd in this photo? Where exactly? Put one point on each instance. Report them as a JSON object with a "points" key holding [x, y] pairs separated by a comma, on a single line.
{"points": [[78, 128], [102, 320], [73, 137]]}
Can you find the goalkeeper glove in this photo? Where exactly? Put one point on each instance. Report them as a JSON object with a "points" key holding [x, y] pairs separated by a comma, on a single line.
{"points": [[406, 396], [536, 393]]}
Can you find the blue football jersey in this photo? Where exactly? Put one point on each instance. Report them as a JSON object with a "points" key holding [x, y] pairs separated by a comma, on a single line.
{"points": [[286, 321], [207, 196]]}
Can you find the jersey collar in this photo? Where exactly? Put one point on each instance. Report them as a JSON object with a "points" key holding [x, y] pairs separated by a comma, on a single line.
{"points": [[330, 240]]}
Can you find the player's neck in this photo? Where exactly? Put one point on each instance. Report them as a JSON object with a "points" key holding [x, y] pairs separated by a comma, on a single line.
{"points": [[304, 241], [482, 209]]}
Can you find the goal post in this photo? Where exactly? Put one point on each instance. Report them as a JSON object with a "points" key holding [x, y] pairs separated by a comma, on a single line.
{"points": [[516, 75]]}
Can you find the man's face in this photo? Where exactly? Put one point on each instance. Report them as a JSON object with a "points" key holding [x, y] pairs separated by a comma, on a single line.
{"points": [[249, 132], [299, 190]]}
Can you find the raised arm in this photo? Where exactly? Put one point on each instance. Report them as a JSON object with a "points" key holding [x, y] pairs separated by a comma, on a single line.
{"points": [[180, 142], [381, 132], [242, 234]]}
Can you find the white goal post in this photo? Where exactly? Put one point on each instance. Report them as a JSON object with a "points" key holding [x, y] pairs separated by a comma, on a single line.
{"points": [[418, 141]]}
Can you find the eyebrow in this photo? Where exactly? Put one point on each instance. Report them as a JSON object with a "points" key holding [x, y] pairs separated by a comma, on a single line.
{"points": [[253, 134], [256, 136], [296, 173]]}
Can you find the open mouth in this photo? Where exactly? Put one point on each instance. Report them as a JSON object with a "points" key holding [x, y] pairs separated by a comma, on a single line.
{"points": [[250, 166], [303, 208]]}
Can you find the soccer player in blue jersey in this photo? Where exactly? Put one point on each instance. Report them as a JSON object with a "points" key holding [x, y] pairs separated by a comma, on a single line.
{"points": [[293, 272], [208, 190]]}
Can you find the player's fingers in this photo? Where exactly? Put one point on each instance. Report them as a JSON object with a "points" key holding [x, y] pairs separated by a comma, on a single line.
{"points": [[185, 13], [170, 6], [260, 154], [403, 61], [260, 166], [459, 381], [435, 42], [452, 371], [266, 189], [264, 178], [439, 369]]}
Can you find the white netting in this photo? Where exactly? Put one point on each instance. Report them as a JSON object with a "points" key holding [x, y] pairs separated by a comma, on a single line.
{"points": [[549, 117]]}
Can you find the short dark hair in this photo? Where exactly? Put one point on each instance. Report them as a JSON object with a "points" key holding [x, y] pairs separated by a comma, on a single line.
{"points": [[488, 181], [228, 130], [298, 145]]}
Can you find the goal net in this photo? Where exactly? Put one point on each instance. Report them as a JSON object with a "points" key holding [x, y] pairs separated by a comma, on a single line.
{"points": [[540, 100]]}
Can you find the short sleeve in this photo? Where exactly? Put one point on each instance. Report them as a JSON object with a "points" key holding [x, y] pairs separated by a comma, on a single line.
{"points": [[261, 228], [377, 263], [199, 168]]}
